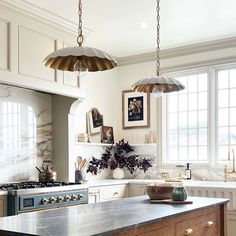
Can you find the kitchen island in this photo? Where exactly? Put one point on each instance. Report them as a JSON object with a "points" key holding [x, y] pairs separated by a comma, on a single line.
{"points": [[128, 216]]}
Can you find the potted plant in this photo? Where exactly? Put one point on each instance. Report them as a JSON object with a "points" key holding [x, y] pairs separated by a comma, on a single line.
{"points": [[117, 158]]}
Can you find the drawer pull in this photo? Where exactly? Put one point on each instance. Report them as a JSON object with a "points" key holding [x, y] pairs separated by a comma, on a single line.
{"points": [[115, 193], [188, 231], [209, 224]]}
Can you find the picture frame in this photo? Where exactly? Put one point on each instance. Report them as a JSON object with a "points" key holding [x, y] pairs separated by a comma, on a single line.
{"points": [[135, 109], [107, 135], [94, 120]]}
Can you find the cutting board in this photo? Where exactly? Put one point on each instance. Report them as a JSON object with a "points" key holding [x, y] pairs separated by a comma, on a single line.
{"points": [[170, 201]]}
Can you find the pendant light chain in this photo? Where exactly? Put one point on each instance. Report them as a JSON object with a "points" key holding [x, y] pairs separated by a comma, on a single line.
{"points": [[158, 39], [80, 37]]}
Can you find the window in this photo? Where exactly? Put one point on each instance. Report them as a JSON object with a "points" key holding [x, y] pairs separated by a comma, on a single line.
{"points": [[201, 120], [187, 126], [226, 107], [17, 127]]}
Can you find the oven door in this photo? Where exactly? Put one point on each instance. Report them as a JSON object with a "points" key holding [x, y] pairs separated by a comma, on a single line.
{"points": [[34, 202]]}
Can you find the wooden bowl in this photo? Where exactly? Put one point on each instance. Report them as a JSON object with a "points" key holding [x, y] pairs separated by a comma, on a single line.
{"points": [[159, 192]]}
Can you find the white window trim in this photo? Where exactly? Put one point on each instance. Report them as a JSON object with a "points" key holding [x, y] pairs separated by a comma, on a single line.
{"points": [[212, 119]]}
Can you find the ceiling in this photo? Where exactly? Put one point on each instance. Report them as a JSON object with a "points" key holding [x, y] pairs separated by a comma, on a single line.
{"points": [[116, 24]]}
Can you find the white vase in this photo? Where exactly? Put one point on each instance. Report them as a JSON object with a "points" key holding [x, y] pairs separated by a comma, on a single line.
{"points": [[118, 173]]}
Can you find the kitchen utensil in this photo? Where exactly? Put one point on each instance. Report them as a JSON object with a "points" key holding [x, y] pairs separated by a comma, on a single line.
{"points": [[170, 201], [38, 169], [82, 164]]}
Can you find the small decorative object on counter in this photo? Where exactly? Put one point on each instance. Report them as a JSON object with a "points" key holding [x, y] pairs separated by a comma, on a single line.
{"points": [[119, 156], [179, 193], [80, 174], [47, 174], [159, 191], [118, 173], [188, 173], [82, 137]]}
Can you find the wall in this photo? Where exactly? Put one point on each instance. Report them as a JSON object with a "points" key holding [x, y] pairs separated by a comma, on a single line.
{"points": [[133, 71], [101, 91], [22, 147]]}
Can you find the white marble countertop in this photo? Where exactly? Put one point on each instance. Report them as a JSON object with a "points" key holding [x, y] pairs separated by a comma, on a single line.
{"points": [[192, 183], [2, 193]]}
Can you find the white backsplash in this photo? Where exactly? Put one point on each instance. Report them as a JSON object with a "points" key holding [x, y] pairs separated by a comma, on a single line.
{"points": [[25, 133], [149, 151], [90, 150]]}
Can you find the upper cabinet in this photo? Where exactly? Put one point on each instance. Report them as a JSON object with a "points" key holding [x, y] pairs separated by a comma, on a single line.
{"points": [[4, 44], [24, 43]]}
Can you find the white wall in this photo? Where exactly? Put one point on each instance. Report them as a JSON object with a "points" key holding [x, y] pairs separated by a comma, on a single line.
{"points": [[127, 76], [101, 91]]}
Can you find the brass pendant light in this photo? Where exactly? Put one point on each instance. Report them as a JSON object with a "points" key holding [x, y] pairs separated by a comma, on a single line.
{"points": [[158, 84], [80, 58]]}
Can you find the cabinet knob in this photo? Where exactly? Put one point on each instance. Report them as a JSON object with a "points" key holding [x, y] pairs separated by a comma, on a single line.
{"points": [[188, 231], [209, 224]]}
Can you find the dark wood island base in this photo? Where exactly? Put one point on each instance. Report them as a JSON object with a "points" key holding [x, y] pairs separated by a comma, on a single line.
{"points": [[210, 221]]}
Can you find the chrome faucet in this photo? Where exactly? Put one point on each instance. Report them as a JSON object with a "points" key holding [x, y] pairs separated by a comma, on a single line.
{"points": [[233, 172]]}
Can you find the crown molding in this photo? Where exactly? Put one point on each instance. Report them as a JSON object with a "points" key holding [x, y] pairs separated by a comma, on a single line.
{"points": [[44, 16], [180, 51]]}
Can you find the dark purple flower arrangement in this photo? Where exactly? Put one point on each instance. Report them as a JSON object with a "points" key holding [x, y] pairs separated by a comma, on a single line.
{"points": [[119, 156]]}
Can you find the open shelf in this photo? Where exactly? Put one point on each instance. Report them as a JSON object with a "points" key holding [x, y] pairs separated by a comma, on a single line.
{"points": [[108, 144]]}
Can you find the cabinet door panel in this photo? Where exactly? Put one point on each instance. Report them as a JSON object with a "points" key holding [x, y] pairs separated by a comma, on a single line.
{"points": [[33, 48], [113, 192], [4, 45]]}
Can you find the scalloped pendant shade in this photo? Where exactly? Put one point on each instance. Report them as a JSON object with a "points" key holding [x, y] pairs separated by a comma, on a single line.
{"points": [[65, 59], [158, 84], [80, 59]]}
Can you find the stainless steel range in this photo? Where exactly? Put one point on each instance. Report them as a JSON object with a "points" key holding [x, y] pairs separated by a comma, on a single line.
{"points": [[32, 196]]}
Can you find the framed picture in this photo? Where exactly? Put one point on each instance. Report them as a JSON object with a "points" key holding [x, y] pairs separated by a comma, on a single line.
{"points": [[107, 134], [135, 109], [95, 120]]}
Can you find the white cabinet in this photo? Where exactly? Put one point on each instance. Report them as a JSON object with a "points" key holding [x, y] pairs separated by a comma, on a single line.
{"points": [[114, 192], [34, 46], [137, 190], [94, 195], [24, 43], [107, 193], [4, 45], [3, 206]]}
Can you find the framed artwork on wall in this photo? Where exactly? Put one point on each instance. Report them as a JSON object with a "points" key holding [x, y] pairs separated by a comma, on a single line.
{"points": [[107, 135], [135, 109], [95, 120]]}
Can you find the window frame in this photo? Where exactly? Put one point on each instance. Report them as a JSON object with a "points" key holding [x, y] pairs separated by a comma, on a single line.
{"points": [[212, 123]]}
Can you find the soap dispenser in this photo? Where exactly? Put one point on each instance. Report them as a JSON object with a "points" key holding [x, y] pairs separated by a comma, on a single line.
{"points": [[188, 173]]}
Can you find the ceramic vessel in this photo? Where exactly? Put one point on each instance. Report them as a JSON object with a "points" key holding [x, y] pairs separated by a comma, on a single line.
{"points": [[179, 193], [118, 173], [79, 176]]}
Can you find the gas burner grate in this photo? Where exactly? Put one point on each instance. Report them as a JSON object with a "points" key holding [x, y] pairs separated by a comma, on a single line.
{"points": [[32, 184]]}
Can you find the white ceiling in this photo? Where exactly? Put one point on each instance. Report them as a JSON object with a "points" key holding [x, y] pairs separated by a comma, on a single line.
{"points": [[115, 24]]}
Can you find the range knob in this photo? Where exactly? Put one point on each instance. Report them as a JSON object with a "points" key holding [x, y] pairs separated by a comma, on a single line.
{"points": [[60, 199], [81, 196], [52, 199], [74, 197], [67, 198], [44, 201]]}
